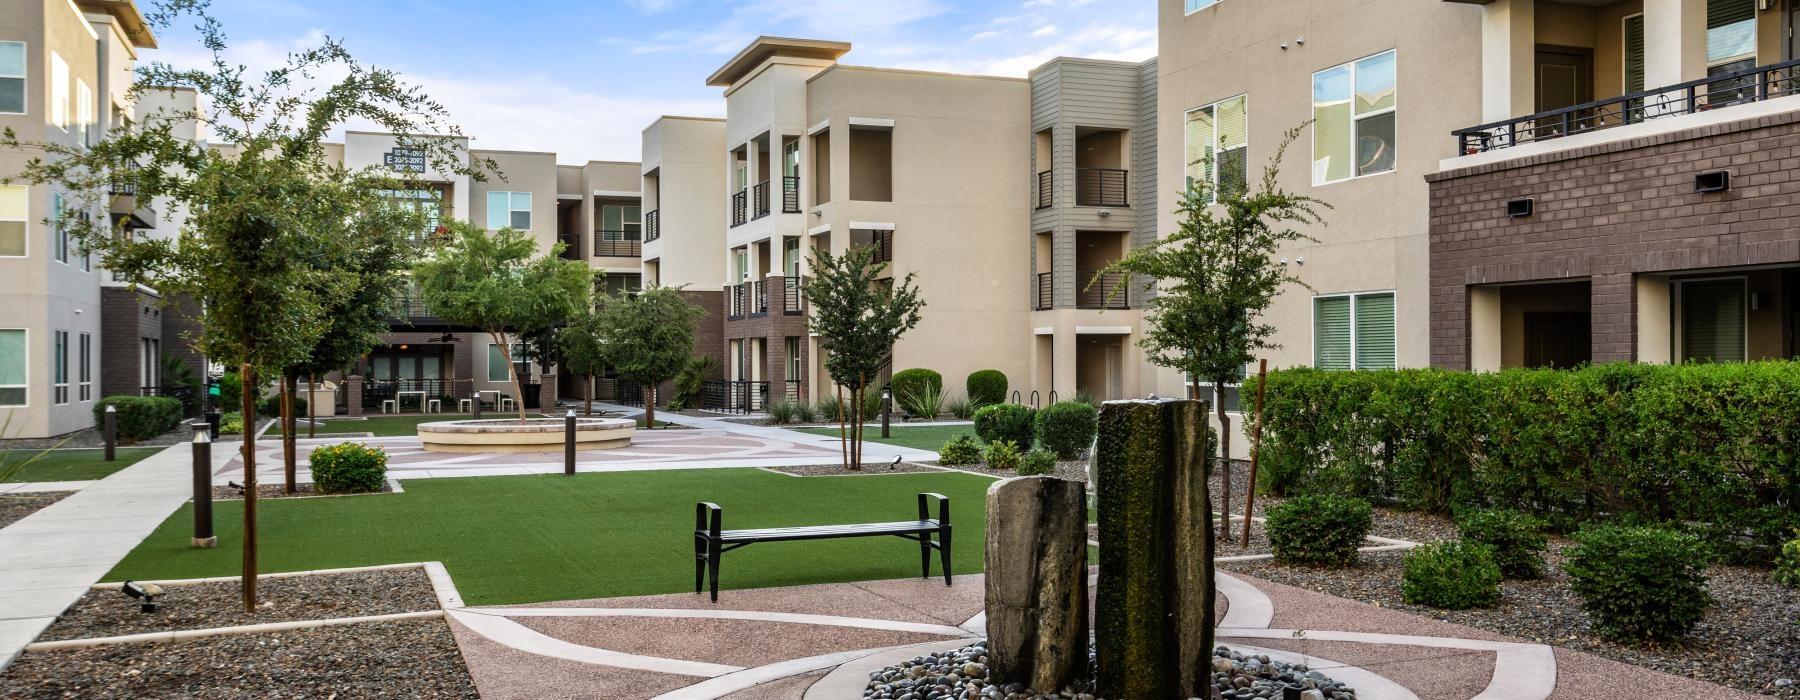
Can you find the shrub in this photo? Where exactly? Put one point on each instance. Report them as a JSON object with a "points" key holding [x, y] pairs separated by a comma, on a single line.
{"points": [[921, 402], [231, 389], [804, 413], [1318, 530], [1518, 540], [1639, 584], [1454, 575], [139, 417], [348, 468], [1087, 397], [960, 408], [1068, 427], [271, 406], [959, 450], [1005, 421], [871, 408], [1787, 565], [829, 407], [908, 384], [1038, 462], [1003, 454], [985, 387], [782, 412], [231, 423]]}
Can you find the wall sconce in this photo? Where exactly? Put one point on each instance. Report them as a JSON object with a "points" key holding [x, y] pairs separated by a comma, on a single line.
{"points": [[1712, 181], [1520, 208]]}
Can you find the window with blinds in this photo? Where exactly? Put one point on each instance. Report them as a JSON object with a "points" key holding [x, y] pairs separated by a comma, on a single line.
{"points": [[1354, 331], [1713, 320], [1218, 141], [13, 363], [13, 220], [12, 77], [1634, 54], [1730, 30]]}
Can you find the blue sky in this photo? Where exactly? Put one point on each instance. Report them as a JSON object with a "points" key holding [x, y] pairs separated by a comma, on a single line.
{"points": [[584, 78]]}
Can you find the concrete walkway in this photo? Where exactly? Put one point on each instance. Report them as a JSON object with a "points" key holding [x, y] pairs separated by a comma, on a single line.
{"points": [[50, 558]]}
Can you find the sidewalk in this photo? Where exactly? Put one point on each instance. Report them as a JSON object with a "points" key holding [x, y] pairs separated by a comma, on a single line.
{"points": [[49, 559]]}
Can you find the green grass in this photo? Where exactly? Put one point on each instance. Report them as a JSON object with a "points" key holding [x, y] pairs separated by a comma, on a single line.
{"points": [[918, 437], [70, 464], [400, 426], [523, 539]]}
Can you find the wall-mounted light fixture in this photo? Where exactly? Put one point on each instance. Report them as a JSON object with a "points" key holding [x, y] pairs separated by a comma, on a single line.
{"points": [[1520, 208], [1712, 181]]}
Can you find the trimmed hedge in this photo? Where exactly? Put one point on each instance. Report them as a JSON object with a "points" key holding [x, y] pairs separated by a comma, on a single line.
{"points": [[1067, 427], [1787, 565], [1006, 421], [1320, 530], [1453, 575], [1637, 584], [985, 387], [912, 387], [348, 467], [140, 417], [1714, 446]]}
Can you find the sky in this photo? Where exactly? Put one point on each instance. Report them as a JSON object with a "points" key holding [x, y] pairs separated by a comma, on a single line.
{"points": [[583, 78]]}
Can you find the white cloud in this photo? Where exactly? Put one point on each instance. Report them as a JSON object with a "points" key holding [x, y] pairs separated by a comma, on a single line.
{"points": [[1103, 41], [1045, 30], [653, 5]]}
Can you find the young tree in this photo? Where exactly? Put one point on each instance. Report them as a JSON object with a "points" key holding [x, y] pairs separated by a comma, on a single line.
{"points": [[1217, 275], [251, 207], [649, 338], [858, 317], [583, 352], [491, 281]]}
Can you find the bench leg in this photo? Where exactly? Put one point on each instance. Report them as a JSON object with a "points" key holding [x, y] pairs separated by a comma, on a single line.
{"points": [[925, 556], [944, 551], [699, 564], [712, 567]]}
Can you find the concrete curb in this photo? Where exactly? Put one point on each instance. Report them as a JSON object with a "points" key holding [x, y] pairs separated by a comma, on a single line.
{"points": [[180, 635]]}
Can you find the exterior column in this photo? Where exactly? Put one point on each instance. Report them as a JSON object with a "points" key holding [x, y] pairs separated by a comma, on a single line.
{"points": [[353, 389], [1508, 52], [1653, 320], [1486, 341], [1063, 372], [1674, 41], [1614, 308]]}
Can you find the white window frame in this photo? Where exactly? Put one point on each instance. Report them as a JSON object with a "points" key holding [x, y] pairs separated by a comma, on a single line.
{"points": [[59, 368], [1356, 119], [26, 344], [23, 78], [1312, 313], [59, 233], [26, 220], [59, 92], [84, 358], [1206, 389], [1213, 175], [530, 203], [1678, 334], [1192, 6], [84, 111]]}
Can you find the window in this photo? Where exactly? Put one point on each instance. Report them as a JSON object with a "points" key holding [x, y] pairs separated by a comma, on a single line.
{"points": [[12, 77], [87, 256], [790, 159], [149, 369], [1354, 331], [59, 91], [741, 257], [790, 256], [84, 365], [428, 202], [1234, 391], [1713, 319], [509, 210], [59, 357], [793, 358], [1218, 139], [1353, 113], [621, 223], [59, 233], [1198, 5], [13, 361], [496, 366], [13, 220], [84, 112], [1730, 47]]}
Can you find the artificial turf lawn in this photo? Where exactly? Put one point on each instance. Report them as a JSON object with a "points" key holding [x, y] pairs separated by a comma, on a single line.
{"points": [[400, 426], [526, 539], [918, 437], [68, 464]]}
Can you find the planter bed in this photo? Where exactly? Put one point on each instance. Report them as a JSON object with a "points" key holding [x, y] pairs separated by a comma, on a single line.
{"points": [[278, 490], [869, 468], [106, 612], [14, 507]]}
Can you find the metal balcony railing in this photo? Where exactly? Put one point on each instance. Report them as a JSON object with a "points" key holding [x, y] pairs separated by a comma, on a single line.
{"points": [[1709, 93], [759, 298], [1102, 187], [617, 244], [883, 242], [124, 181], [740, 208], [761, 199], [790, 194], [409, 307], [1046, 291], [792, 390], [734, 396], [792, 299], [653, 225], [1046, 193], [1102, 290]]}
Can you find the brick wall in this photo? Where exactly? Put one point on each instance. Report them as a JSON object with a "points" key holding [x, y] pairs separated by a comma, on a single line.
{"points": [[127, 316], [1608, 212]]}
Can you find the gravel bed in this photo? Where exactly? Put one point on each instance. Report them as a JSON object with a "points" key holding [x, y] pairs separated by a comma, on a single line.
{"points": [[869, 468], [279, 490], [1749, 640], [14, 507], [106, 613], [1075, 470], [94, 437], [963, 674], [400, 659]]}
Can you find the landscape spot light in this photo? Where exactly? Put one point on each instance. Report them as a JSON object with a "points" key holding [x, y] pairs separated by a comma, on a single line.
{"points": [[896, 464], [144, 593]]}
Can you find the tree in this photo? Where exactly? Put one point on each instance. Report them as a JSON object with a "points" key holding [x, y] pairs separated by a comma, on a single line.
{"points": [[648, 338], [492, 282], [252, 207], [1218, 275], [583, 352], [858, 317]]}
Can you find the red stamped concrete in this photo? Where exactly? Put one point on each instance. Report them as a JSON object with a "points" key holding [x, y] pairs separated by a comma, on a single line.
{"points": [[1432, 674], [905, 600], [502, 673], [785, 689], [731, 642], [1581, 676]]}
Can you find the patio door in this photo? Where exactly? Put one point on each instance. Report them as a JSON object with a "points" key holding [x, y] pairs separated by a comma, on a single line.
{"points": [[1565, 78]]}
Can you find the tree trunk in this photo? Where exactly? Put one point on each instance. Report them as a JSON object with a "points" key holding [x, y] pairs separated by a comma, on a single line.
{"points": [[1224, 462], [288, 426], [512, 372], [650, 407], [312, 398], [587, 394], [843, 440], [247, 404]]}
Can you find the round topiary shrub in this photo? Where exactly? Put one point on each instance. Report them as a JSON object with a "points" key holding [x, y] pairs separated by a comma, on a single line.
{"points": [[1038, 462], [1006, 421], [1638, 584], [1321, 530], [1518, 540], [1004, 454], [1453, 575], [1067, 427], [987, 386], [1787, 564], [961, 449], [918, 392], [349, 467]]}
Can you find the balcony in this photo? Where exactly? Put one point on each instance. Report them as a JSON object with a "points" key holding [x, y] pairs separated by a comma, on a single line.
{"points": [[792, 299], [737, 302], [1102, 290], [653, 225], [759, 299], [1046, 192], [1045, 296], [126, 210], [1099, 187], [740, 208], [617, 244], [1702, 95], [790, 194], [410, 308], [884, 246], [760, 199]]}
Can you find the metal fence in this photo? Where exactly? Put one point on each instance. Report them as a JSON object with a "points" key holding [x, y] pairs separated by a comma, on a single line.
{"points": [[740, 396]]}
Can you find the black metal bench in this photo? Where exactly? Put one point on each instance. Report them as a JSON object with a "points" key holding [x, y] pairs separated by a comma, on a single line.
{"points": [[710, 541]]}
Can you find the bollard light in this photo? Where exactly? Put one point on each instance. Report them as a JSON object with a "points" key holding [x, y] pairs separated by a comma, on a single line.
{"points": [[112, 430], [203, 520], [887, 408], [569, 443]]}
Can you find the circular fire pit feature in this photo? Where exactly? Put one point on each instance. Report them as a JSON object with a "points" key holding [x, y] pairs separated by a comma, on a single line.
{"points": [[532, 435]]}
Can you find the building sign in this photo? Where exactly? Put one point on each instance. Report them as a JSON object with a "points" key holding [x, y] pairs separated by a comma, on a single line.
{"points": [[406, 160]]}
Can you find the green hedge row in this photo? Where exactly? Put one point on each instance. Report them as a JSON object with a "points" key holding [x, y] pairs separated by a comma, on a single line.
{"points": [[1712, 448], [140, 417]]}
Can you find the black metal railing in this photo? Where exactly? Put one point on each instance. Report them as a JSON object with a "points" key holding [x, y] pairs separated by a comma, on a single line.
{"points": [[1046, 291], [618, 244], [884, 246], [404, 393], [739, 396], [761, 197], [189, 400], [1102, 187], [1709, 93], [739, 303], [759, 298], [1046, 189], [409, 306], [1102, 290], [653, 225], [793, 302], [624, 392], [740, 207], [793, 391], [790, 194], [124, 181]]}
